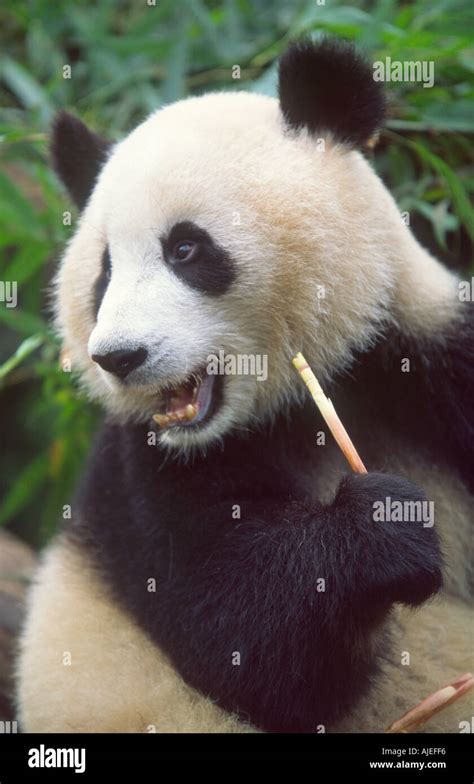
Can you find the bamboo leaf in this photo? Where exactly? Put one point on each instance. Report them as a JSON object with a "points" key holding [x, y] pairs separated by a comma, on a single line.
{"points": [[25, 87], [23, 351], [459, 196], [24, 488]]}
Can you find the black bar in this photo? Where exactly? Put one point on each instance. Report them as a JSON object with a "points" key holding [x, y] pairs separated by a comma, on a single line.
{"points": [[126, 756]]}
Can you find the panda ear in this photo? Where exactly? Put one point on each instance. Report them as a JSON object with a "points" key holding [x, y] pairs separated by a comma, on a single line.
{"points": [[77, 155], [327, 87]]}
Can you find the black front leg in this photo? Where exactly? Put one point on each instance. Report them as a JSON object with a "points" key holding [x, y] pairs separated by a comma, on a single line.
{"points": [[272, 615]]}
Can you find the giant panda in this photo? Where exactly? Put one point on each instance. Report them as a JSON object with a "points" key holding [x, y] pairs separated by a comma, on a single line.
{"points": [[224, 570]]}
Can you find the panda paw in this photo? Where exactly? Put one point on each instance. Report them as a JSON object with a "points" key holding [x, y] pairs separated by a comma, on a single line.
{"points": [[391, 524]]}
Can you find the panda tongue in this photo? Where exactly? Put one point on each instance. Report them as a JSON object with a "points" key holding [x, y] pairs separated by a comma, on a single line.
{"points": [[188, 403], [181, 397], [199, 397]]}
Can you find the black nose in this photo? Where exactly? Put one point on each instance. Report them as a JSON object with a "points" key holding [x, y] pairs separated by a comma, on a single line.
{"points": [[121, 363]]}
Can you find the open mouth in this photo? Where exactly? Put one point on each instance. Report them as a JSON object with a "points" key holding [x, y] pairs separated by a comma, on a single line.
{"points": [[191, 403]]}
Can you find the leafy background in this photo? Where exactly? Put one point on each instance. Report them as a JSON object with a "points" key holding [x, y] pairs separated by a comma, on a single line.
{"points": [[128, 58]]}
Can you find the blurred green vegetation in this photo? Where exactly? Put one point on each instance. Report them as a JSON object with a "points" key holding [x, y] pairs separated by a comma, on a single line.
{"points": [[127, 58]]}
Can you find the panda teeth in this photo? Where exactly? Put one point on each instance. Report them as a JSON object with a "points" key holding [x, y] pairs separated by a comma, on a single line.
{"points": [[161, 419], [180, 415]]}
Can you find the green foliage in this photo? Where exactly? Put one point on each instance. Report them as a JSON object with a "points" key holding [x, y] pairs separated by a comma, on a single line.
{"points": [[127, 58]]}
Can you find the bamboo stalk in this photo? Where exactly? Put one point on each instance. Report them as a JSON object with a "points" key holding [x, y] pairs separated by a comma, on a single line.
{"points": [[329, 414], [436, 702]]}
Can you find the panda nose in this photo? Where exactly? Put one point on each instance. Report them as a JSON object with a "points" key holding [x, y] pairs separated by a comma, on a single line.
{"points": [[121, 362]]}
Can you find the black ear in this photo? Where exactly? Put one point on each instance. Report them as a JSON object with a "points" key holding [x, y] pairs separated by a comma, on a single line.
{"points": [[327, 87], [77, 155]]}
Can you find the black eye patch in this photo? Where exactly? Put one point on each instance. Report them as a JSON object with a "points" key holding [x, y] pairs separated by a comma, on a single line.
{"points": [[101, 283], [197, 260]]}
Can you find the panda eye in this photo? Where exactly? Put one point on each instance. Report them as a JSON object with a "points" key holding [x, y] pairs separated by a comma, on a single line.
{"points": [[196, 259], [185, 250]]}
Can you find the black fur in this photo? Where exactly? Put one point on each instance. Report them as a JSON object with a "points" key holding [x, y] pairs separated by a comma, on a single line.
{"points": [[432, 406], [102, 282], [77, 155], [249, 585], [328, 87], [211, 270]]}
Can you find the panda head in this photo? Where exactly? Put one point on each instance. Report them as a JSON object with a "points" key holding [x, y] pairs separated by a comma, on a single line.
{"points": [[230, 227]]}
